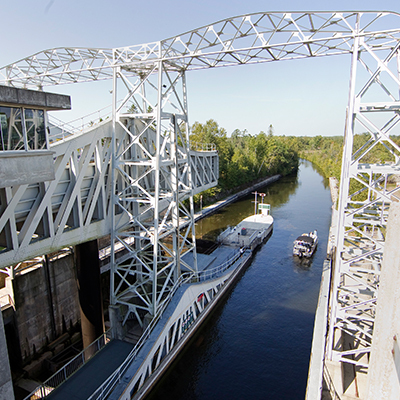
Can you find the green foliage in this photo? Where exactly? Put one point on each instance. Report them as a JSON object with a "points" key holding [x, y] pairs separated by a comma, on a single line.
{"points": [[132, 109], [324, 152], [244, 158]]}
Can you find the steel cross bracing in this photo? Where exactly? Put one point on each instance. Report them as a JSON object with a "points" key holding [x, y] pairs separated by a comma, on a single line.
{"points": [[153, 77], [366, 191], [41, 218], [246, 39], [153, 175], [75, 207]]}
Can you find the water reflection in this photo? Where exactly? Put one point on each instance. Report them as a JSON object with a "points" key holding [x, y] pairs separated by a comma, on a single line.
{"points": [[277, 194], [325, 181]]}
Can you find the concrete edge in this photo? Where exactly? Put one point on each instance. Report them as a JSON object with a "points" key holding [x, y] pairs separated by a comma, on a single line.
{"points": [[231, 199], [317, 357]]}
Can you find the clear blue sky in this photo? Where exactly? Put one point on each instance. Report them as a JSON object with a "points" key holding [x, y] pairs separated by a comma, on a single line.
{"points": [[305, 97]]}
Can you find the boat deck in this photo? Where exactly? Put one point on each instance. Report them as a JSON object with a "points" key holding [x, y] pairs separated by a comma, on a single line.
{"points": [[245, 232]]}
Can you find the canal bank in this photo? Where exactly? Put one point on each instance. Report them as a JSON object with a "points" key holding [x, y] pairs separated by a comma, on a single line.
{"points": [[207, 211], [316, 373]]}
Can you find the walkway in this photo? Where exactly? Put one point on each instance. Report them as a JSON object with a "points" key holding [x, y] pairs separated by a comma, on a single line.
{"points": [[87, 379]]}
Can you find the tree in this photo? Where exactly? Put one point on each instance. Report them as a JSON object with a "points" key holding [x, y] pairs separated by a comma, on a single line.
{"points": [[132, 109]]}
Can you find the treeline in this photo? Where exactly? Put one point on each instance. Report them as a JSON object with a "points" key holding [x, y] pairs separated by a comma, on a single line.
{"points": [[244, 158], [326, 152]]}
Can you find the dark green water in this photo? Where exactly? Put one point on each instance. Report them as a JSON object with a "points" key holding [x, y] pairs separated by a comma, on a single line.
{"points": [[256, 345]]}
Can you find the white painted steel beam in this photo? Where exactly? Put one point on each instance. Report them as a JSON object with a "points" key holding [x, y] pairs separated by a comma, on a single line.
{"points": [[245, 39], [153, 167]]}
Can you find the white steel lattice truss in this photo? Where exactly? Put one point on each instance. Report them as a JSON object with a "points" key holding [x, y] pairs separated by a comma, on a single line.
{"points": [[153, 78], [153, 176], [41, 218]]}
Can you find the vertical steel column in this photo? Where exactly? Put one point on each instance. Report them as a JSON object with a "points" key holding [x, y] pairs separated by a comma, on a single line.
{"points": [[156, 161], [174, 184], [190, 169], [114, 199], [344, 186]]}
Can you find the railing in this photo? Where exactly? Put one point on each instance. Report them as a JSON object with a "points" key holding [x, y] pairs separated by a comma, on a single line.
{"points": [[203, 146], [77, 362], [77, 125], [70, 368], [103, 391], [113, 379], [225, 234], [252, 238], [217, 271]]}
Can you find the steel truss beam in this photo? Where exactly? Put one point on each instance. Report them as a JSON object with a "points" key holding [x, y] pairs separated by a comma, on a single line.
{"points": [[45, 217], [246, 39], [366, 191]]}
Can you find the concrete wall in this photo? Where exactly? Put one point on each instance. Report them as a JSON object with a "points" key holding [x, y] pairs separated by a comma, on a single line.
{"points": [[34, 314], [25, 167], [25, 97], [384, 370], [6, 387]]}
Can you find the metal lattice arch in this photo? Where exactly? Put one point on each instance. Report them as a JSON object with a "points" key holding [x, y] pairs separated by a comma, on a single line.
{"points": [[147, 180]]}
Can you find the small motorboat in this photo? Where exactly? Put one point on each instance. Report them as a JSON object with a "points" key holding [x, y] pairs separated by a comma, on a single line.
{"points": [[305, 245]]}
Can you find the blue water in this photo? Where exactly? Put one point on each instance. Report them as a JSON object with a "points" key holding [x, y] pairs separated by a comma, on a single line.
{"points": [[256, 345]]}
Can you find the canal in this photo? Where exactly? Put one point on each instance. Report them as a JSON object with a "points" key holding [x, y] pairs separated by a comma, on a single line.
{"points": [[256, 345]]}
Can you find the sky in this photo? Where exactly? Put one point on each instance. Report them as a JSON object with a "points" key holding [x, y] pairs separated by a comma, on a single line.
{"points": [[301, 97]]}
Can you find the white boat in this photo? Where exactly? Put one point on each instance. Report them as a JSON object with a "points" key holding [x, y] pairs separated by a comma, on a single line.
{"points": [[305, 245], [249, 233]]}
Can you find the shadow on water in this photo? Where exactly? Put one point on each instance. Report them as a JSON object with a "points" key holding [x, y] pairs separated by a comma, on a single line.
{"points": [[256, 345]]}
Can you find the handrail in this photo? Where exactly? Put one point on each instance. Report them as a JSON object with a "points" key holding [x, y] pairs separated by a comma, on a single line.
{"points": [[77, 125], [78, 361], [70, 368], [203, 147], [216, 271], [113, 379], [225, 234]]}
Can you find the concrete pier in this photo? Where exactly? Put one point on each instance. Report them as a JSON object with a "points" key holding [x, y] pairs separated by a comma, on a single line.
{"points": [[6, 386], [88, 272]]}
